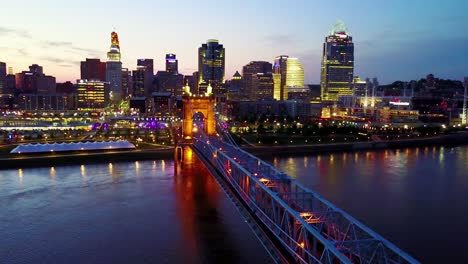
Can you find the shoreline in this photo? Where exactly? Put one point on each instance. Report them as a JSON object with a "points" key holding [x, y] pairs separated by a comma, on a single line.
{"points": [[47, 160]]}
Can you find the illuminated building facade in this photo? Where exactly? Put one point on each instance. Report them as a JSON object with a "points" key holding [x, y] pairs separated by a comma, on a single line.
{"points": [[172, 64], [337, 64], [93, 69], [114, 69], [294, 74], [92, 95], [211, 65], [279, 69]]}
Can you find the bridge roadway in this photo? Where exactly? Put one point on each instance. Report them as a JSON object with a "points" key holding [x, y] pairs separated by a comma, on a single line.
{"points": [[308, 227]]}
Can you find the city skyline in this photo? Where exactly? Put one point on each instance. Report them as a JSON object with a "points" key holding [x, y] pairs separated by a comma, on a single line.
{"points": [[410, 41]]}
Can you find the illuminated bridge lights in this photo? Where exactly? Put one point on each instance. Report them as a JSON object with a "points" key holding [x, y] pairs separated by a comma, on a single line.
{"points": [[268, 182], [310, 218], [310, 228]]}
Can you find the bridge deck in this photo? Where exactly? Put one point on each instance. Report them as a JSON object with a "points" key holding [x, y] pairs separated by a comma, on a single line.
{"points": [[312, 229]]}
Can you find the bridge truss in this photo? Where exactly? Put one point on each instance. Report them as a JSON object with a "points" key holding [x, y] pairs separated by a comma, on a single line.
{"points": [[310, 228]]}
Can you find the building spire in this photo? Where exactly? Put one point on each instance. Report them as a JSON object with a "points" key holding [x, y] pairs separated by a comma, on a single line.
{"points": [[114, 52]]}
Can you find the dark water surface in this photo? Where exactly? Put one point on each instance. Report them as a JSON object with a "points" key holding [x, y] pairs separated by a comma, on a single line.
{"points": [[134, 212], [416, 198], [148, 212]]}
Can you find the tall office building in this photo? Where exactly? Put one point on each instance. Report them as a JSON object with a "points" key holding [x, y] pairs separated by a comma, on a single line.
{"points": [[211, 65], [279, 71], [138, 79], [93, 69], [114, 69], [294, 74], [172, 64], [146, 65], [126, 82], [257, 81], [3, 74], [337, 64]]}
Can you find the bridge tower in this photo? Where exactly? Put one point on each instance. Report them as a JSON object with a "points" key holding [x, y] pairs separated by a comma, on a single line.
{"points": [[198, 104]]}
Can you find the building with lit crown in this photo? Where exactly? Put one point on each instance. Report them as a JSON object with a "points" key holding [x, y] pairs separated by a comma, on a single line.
{"points": [[211, 65], [114, 69], [172, 64], [337, 69], [279, 77]]}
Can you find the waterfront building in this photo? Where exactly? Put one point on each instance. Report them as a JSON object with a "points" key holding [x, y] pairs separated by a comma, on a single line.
{"points": [[92, 95], [93, 69], [172, 66], [46, 102], [337, 69], [114, 69], [211, 66]]}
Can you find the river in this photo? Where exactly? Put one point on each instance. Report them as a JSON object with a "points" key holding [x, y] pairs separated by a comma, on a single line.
{"points": [[149, 212]]}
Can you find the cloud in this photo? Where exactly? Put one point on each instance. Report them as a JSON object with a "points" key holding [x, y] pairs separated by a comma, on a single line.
{"points": [[23, 52], [58, 43], [52, 59], [12, 31], [69, 47]]}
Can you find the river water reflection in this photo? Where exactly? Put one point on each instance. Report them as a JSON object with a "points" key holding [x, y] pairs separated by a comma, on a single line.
{"points": [[147, 212], [416, 198], [133, 212]]}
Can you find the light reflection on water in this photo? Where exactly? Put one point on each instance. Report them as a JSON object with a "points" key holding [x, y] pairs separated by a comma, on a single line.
{"points": [[128, 212], [415, 197]]}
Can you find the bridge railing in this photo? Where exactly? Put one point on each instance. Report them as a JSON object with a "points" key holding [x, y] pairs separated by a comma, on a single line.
{"points": [[312, 229]]}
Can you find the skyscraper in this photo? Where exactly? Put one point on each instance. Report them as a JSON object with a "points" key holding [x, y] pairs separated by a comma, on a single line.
{"points": [[279, 71], [126, 82], [172, 64], [3, 74], [138, 80], [93, 69], [211, 64], [114, 69], [146, 65], [257, 79], [337, 64], [294, 74]]}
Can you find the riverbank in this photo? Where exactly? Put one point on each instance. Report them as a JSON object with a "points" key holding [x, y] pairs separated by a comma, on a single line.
{"points": [[444, 140], [61, 159]]}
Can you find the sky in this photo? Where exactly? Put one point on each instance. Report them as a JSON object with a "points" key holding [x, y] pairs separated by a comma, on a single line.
{"points": [[394, 39]]}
